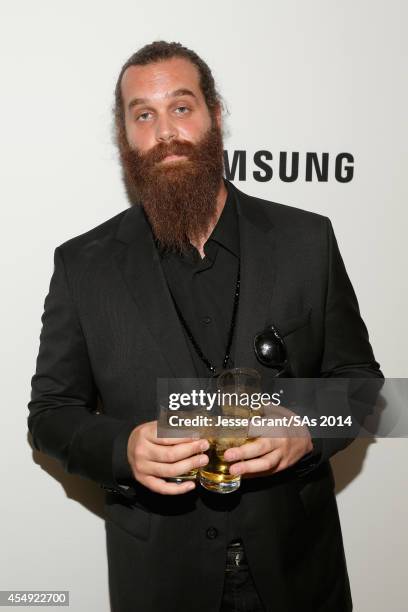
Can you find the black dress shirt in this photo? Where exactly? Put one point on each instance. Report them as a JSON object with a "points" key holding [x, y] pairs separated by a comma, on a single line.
{"points": [[204, 289]]}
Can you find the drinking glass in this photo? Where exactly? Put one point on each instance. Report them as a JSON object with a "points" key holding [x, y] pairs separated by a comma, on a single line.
{"points": [[230, 427]]}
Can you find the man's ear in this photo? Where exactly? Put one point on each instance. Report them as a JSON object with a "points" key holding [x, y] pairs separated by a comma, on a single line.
{"points": [[218, 115]]}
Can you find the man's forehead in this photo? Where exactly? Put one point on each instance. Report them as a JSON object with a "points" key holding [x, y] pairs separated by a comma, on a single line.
{"points": [[160, 77]]}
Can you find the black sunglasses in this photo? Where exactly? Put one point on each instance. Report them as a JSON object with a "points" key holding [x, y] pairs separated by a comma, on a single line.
{"points": [[270, 350]]}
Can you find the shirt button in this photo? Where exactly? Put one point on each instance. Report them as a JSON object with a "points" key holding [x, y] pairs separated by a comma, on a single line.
{"points": [[212, 533], [206, 320]]}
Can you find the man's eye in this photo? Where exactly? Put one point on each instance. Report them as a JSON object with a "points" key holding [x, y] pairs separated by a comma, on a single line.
{"points": [[143, 116], [182, 110]]}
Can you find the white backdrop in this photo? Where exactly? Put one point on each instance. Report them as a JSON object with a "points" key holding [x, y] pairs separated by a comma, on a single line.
{"points": [[317, 76]]}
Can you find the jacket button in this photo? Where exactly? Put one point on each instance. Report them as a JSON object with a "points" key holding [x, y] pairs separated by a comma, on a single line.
{"points": [[212, 533]]}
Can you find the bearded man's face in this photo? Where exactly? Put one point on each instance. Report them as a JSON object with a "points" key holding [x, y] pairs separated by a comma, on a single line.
{"points": [[171, 150]]}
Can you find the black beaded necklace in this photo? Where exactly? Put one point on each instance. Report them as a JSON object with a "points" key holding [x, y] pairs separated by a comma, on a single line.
{"points": [[197, 348]]}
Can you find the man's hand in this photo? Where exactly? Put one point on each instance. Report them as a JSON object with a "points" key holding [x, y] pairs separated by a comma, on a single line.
{"points": [[268, 455], [153, 459]]}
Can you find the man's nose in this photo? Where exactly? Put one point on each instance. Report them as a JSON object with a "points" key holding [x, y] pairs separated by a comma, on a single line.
{"points": [[165, 130]]}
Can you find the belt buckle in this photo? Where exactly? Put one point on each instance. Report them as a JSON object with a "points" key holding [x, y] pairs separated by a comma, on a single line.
{"points": [[235, 558]]}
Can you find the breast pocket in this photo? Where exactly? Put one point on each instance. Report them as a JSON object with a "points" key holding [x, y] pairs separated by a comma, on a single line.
{"points": [[131, 518], [289, 325]]}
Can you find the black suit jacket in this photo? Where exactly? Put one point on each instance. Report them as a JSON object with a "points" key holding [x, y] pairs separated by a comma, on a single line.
{"points": [[110, 329]]}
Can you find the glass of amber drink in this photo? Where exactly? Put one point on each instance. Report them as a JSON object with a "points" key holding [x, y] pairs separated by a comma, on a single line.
{"points": [[230, 425]]}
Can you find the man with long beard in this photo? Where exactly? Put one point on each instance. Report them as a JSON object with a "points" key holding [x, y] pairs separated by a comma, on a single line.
{"points": [[179, 285]]}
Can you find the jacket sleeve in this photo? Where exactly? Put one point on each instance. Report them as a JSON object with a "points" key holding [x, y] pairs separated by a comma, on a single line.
{"points": [[347, 354], [63, 417]]}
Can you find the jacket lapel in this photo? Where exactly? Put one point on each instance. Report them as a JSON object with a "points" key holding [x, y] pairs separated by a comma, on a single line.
{"points": [[258, 269], [140, 265]]}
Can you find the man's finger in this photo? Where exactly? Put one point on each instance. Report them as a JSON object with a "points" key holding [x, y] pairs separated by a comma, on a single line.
{"points": [[151, 435], [171, 470], [252, 449], [168, 488], [261, 464], [176, 452], [170, 441]]}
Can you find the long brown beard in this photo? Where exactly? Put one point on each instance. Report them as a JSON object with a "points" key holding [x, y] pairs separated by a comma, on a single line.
{"points": [[179, 198]]}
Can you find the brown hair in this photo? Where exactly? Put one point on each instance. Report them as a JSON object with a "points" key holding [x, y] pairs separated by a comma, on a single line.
{"points": [[155, 52]]}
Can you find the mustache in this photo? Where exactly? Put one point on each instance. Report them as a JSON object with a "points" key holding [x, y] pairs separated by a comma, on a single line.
{"points": [[162, 150]]}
